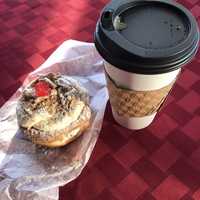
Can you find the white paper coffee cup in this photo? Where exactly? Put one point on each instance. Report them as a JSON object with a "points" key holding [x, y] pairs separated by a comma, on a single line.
{"points": [[138, 82], [144, 44]]}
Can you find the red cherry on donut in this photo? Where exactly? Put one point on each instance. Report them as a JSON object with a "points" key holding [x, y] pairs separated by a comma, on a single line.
{"points": [[42, 89]]}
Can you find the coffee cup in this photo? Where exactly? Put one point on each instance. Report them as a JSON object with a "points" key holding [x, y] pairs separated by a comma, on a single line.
{"points": [[144, 44]]}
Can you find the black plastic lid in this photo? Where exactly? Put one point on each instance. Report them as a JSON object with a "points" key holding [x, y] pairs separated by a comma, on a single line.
{"points": [[146, 36]]}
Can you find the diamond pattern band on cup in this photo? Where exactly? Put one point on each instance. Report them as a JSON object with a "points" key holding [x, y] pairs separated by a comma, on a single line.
{"points": [[130, 103]]}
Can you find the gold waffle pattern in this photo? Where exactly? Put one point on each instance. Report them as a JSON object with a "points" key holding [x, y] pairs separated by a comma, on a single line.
{"points": [[132, 103]]}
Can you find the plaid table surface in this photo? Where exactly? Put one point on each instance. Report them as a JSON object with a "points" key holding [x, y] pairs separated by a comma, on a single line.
{"points": [[161, 162]]}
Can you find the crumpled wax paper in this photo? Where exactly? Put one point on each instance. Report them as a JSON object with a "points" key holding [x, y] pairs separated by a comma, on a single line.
{"points": [[29, 172]]}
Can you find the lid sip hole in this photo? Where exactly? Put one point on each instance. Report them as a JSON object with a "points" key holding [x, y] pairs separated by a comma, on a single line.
{"points": [[108, 14], [107, 19]]}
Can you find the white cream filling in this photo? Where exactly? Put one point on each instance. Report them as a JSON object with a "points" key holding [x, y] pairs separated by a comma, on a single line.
{"points": [[49, 125], [67, 119]]}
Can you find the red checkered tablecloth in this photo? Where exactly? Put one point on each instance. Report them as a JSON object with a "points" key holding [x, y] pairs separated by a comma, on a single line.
{"points": [[161, 162]]}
